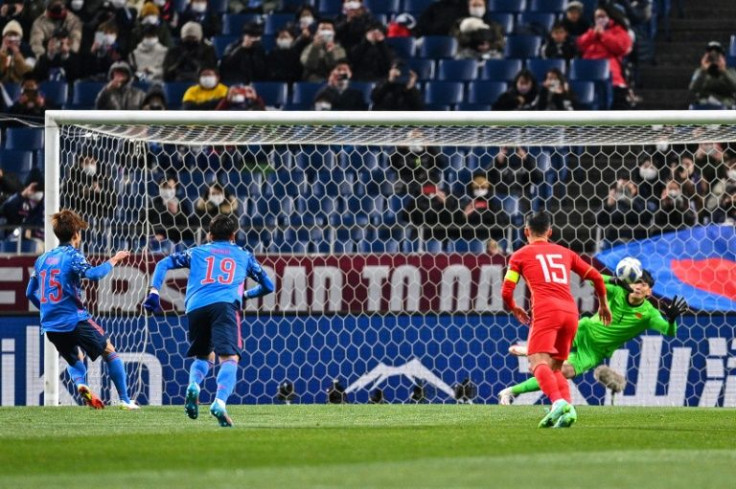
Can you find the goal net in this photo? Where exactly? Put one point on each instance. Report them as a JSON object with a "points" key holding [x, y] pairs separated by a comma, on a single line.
{"points": [[387, 235]]}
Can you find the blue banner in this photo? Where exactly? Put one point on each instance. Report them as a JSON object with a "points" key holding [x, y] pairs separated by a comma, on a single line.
{"points": [[391, 353]]}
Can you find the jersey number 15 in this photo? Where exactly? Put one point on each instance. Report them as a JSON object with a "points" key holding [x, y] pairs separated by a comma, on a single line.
{"points": [[51, 290], [553, 268]]}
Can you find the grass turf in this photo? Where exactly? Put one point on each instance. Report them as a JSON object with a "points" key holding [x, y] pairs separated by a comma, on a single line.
{"points": [[429, 446]]}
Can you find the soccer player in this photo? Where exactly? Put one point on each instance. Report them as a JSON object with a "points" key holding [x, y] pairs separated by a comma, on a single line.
{"points": [[594, 342], [546, 269], [55, 289], [217, 274]]}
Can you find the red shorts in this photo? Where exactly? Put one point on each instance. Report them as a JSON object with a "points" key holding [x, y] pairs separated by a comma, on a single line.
{"points": [[553, 333]]}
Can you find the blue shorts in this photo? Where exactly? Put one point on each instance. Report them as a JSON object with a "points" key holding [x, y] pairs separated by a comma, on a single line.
{"points": [[215, 327], [88, 335]]}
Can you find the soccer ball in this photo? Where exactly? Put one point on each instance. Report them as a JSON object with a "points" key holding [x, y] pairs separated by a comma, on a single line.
{"points": [[629, 270]]}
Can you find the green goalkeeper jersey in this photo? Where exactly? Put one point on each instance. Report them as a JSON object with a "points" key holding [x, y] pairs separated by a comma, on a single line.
{"points": [[627, 321]]}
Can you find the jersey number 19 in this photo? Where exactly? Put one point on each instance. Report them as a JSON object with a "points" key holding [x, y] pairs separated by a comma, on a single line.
{"points": [[227, 271]]}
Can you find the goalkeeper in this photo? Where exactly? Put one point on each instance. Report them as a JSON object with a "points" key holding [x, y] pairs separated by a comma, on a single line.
{"points": [[631, 314]]}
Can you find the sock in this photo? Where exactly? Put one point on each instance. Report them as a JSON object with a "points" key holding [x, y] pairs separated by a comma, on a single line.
{"points": [[547, 382], [529, 385], [563, 386], [226, 379], [78, 373], [198, 371], [116, 369]]}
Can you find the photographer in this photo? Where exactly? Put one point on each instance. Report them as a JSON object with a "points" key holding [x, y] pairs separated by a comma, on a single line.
{"points": [[31, 102], [59, 62], [13, 64], [319, 57], [555, 93], [624, 213], [338, 92], [244, 60], [399, 91], [713, 83], [372, 56]]}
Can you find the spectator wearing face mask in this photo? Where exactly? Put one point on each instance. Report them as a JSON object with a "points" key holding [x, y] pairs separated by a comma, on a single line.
{"points": [[321, 55], [516, 179], [85, 9], [214, 201], [59, 62], [482, 213], [26, 208], [477, 40], [55, 16], [283, 60], [185, 61], [198, 11], [119, 93], [723, 184], [116, 12], [241, 97], [723, 207], [13, 64], [105, 51], [352, 24], [574, 21], [416, 163], [305, 20], [675, 209], [168, 214], [522, 94], [431, 209], [155, 98], [15, 10], [624, 212], [244, 60], [148, 57], [338, 91], [559, 44], [206, 94], [151, 16], [647, 179], [31, 102], [399, 91], [89, 188], [555, 93]]}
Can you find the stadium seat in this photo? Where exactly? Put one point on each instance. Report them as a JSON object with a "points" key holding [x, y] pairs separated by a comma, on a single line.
{"points": [[56, 92], [522, 46], [28, 138], [13, 90], [417, 6], [443, 92], [501, 69], [84, 93], [438, 47], [585, 93], [365, 87], [485, 92], [732, 46], [218, 6], [403, 47], [274, 22], [598, 71], [539, 67], [589, 7], [16, 161], [378, 246], [388, 7], [343, 241], [466, 246], [546, 5], [275, 94], [330, 7], [303, 93], [174, 92], [471, 107], [26, 246], [232, 24], [424, 68], [538, 23], [506, 5], [457, 69], [505, 19], [220, 43]]}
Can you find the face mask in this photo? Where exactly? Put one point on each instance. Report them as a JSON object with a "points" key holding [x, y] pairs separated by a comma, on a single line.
{"points": [[199, 7], [416, 148], [150, 20], [327, 35], [663, 147], [283, 43], [554, 84], [119, 3], [351, 5], [601, 21], [196, 150], [674, 194], [478, 12], [159, 3], [149, 42], [13, 38], [110, 39], [481, 192], [731, 174], [36, 196], [322, 106], [90, 170], [208, 81], [217, 199], [77, 5], [306, 21], [238, 99], [648, 173], [167, 193]]}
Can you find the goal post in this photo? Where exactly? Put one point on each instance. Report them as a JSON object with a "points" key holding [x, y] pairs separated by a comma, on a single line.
{"points": [[374, 290]]}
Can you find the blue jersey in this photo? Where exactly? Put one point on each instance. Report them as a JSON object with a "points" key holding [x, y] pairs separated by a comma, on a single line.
{"points": [[56, 287], [217, 273]]}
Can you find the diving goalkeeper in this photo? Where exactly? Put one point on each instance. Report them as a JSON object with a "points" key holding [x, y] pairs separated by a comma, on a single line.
{"points": [[631, 314]]}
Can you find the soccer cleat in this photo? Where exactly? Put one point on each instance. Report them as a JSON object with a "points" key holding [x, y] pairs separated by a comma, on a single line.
{"points": [[506, 397], [191, 404], [89, 398], [518, 350], [567, 419], [218, 410], [129, 406], [558, 409]]}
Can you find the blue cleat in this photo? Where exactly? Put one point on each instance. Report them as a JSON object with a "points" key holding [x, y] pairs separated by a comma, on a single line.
{"points": [[191, 405], [567, 419], [558, 409], [217, 409]]}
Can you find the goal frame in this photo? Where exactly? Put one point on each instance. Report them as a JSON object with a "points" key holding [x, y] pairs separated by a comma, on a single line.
{"points": [[54, 119]]}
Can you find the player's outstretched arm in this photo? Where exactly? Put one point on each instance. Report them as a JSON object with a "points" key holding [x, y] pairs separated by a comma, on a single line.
{"points": [[32, 290], [177, 260], [265, 284], [671, 312], [81, 266]]}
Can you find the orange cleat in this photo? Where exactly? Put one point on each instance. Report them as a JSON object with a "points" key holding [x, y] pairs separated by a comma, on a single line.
{"points": [[89, 398]]}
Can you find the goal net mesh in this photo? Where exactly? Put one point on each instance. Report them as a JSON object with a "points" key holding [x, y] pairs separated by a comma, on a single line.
{"points": [[388, 244]]}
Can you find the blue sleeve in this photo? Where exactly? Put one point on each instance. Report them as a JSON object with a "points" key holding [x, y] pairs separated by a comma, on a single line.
{"points": [[31, 291], [83, 269], [176, 260], [265, 285]]}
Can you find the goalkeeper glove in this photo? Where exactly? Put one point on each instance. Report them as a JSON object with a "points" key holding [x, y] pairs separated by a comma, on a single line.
{"points": [[621, 283], [153, 302], [673, 311]]}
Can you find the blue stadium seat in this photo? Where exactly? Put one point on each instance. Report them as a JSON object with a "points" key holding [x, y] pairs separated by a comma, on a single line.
{"points": [[457, 69], [274, 22], [585, 93], [598, 71], [13, 90], [174, 92], [506, 5], [275, 94], [180, 5], [534, 22], [28, 138], [365, 87], [232, 24], [485, 92], [16, 161], [466, 246], [56, 92], [546, 5], [26, 246], [389, 246], [505, 19], [303, 93], [84, 93], [501, 69], [443, 93], [433, 246], [539, 67], [417, 6], [438, 47], [424, 68], [218, 6], [589, 7], [403, 47], [523, 46], [732, 46], [388, 7], [220, 43], [330, 6], [343, 241]]}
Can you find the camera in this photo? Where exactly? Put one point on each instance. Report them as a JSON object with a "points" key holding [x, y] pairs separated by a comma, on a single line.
{"points": [[403, 77], [342, 77], [713, 58], [11, 10]]}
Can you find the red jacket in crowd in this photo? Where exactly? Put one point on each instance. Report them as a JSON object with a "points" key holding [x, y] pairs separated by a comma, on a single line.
{"points": [[612, 44]]}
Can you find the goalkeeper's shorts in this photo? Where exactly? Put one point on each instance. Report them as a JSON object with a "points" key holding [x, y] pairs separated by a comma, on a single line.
{"points": [[583, 355]]}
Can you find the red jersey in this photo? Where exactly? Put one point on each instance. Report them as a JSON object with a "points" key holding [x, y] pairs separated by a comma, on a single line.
{"points": [[546, 269]]}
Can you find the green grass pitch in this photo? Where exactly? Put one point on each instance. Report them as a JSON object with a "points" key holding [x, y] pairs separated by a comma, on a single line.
{"points": [[335, 446]]}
